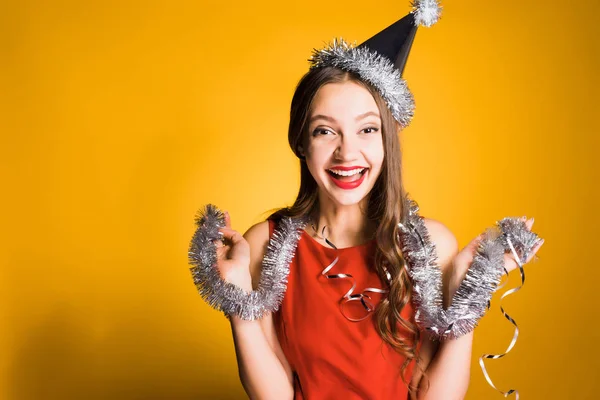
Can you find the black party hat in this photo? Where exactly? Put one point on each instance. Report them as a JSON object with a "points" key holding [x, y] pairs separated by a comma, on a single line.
{"points": [[381, 59], [395, 41]]}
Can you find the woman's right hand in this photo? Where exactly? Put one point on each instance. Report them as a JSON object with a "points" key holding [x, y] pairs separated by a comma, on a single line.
{"points": [[233, 257]]}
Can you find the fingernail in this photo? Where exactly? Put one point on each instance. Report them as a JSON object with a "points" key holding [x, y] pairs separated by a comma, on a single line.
{"points": [[532, 220]]}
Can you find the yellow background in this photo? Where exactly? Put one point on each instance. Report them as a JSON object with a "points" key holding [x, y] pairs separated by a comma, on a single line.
{"points": [[120, 120]]}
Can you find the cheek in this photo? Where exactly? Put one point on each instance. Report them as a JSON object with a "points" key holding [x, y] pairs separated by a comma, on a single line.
{"points": [[315, 160], [315, 166], [375, 153], [320, 153]]}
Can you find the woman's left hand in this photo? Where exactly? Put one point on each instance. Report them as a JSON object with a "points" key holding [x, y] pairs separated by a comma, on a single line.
{"points": [[464, 258]]}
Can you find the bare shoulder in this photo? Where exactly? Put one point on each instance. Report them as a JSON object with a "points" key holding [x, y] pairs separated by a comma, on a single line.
{"points": [[444, 240], [257, 237], [258, 232]]}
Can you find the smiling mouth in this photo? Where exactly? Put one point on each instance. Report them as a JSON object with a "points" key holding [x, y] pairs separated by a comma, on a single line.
{"points": [[348, 176]]}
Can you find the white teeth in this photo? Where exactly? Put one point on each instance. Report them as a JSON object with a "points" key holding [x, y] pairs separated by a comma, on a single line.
{"points": [[347, 173]]}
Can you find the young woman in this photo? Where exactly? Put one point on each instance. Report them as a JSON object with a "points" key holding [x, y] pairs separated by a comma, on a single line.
{"points": [[347, 125], [326, 341]]}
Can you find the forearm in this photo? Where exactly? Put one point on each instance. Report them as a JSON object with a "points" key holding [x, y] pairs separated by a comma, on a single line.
{"points": [[449, 370], [261, 373]]}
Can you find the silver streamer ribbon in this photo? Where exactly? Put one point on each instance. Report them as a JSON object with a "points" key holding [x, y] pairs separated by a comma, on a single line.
{"points": [[514, 237], [508, 317], [350, 295]]}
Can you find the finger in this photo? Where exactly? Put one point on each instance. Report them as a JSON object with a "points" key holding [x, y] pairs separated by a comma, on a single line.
{"points": [[529, 223], [509, 262], [222, 252], [239, 245], [227, 220], [221, 248], [232, 243], [231, 235]]}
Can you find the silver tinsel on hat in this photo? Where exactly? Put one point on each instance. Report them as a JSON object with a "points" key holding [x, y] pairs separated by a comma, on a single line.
{"points": [[426, 12], [227, 297], [377, 69], [374, 69]]}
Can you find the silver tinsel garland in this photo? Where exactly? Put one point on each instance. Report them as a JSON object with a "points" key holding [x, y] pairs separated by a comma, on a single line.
{"points": [[227, 297], [469, 304], [421, 258], [472, 298]]}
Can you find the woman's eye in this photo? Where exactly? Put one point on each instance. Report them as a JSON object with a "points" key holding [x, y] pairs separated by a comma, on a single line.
{"points": [[319, 131], [323, 131], [372, 130]]}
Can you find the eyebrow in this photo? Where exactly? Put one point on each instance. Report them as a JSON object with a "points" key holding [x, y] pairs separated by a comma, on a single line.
{"points": [[331, 119]]}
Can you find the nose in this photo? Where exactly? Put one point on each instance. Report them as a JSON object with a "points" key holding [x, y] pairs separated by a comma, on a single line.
{"points": [[348, 147]]}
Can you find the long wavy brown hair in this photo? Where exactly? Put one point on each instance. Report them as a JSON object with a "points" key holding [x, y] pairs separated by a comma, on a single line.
{"points": [[387, 205]]}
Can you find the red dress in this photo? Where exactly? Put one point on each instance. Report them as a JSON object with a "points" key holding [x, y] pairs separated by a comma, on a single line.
{"points": [[332, 357]]}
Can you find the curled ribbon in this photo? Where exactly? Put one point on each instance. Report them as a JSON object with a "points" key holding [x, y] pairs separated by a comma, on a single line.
{"points": [[508, 317], [350, 295]]}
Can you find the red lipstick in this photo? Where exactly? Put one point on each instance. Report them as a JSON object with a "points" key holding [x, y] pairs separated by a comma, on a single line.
{"points": [[341, 168], [347, 185]]}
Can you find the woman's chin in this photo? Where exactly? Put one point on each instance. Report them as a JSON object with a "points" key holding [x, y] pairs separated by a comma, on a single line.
{"points": [[345, 197]]}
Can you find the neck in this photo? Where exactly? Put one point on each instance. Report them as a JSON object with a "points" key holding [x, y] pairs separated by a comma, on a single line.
{"points": [[347, 226]]}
